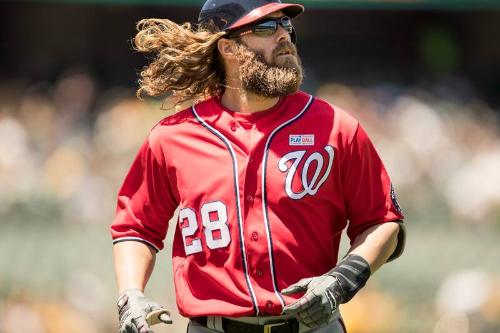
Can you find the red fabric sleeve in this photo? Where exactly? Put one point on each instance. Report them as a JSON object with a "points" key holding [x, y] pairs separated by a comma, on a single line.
{"points": [[368, 193], [145, 202]]}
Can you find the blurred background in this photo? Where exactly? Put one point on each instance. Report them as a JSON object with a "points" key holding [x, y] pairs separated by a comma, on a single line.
{"points": [[423, 77]]}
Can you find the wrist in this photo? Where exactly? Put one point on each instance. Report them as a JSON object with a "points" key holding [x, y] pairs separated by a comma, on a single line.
{"points": [[131, 291], [352, 273]]}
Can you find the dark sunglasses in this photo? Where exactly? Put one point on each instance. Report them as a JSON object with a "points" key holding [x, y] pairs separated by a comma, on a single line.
{"points": [[266, 27]]}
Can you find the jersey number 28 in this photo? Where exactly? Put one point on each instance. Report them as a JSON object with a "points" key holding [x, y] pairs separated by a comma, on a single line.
{"points": [[214, 218]]}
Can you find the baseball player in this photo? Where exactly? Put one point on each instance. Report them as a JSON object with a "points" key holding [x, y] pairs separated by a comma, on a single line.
{"points": [[265, 178]]}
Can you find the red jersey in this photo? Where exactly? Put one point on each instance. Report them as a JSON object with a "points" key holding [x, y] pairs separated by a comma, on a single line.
{"points": [[262, 198]]}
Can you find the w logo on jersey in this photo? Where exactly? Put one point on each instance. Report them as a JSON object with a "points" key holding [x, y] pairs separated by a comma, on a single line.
{"points": [[310, 184]]}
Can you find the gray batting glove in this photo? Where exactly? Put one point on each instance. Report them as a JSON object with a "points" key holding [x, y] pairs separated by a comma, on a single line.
{"points": [[323, 294], [133, 307], [318, 306]]}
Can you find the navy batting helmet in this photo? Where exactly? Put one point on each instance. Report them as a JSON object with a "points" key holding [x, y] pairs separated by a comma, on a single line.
{"points": [[228, 15]]}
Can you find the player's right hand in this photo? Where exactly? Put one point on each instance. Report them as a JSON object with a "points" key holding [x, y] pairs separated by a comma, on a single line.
{"points": [[133, 307]]}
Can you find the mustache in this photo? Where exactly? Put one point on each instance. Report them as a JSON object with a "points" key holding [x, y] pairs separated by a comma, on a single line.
{"points": [[285, 47]]}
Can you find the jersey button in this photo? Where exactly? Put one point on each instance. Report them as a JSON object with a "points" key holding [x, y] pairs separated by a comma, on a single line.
{"points": [[255, 236], [233, 126], [259, 272], [269, 305], [250, 198]]}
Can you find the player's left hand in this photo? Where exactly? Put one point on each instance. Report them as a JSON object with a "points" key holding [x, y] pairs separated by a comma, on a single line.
{"points": [[318, 306], [323, 294]]}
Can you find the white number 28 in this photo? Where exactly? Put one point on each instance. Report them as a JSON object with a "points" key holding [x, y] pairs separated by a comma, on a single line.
{"points": [[210, 226]]}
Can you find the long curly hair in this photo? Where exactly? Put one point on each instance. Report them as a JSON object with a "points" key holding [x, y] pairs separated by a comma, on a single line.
{"points": [[185, 62]]}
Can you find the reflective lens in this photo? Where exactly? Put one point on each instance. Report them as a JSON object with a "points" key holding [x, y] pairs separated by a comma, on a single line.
{"points": [[269, 26]]}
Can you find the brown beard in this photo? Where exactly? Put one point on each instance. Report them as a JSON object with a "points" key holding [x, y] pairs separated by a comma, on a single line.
{"points": [[277, 78]]}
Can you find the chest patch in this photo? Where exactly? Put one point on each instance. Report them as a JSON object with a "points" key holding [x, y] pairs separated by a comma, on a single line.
{"points": [[297, 162], [301, 140]]}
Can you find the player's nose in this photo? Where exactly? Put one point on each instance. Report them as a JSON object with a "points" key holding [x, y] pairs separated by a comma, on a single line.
{"points": [[282, 35]]}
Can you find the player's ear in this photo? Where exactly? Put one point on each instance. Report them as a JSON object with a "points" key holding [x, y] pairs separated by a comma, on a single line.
{"points": [[226, 48]]}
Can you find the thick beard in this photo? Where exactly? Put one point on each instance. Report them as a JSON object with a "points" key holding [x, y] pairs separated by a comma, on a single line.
{"points": [[269, 79]]}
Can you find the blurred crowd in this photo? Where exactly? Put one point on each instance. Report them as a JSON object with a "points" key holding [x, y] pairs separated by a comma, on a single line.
{"points": [[68, 141], [435, 145], [69, 144]]}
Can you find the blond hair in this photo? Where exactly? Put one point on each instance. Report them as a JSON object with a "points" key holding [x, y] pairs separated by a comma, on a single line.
{"points": [[185, 62]]}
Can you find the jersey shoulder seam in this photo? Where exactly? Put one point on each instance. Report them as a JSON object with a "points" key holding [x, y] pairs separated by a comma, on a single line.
{"points": [[174, 119]]}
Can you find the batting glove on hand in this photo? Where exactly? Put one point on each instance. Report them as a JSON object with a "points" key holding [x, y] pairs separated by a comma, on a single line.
{"points": [[318, 305], [323, 294], [133, 307]]}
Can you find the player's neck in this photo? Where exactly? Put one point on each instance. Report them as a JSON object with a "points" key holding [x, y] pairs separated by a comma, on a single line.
{"points": [[239, 100]]}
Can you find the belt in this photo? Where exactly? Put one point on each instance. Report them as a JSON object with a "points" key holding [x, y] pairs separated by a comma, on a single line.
{"points": [[232, 326]]}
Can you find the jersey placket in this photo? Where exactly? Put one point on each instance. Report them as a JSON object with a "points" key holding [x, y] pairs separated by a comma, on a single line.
{"points": [[255, 233], [257, 224], [267, 147]]}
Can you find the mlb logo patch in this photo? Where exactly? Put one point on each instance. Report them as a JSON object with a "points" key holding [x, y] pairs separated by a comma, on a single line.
{"points": [[301, 140]]}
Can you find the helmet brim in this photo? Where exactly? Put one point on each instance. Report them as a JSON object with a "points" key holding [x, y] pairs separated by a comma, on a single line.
{"points": [[289, 9]]}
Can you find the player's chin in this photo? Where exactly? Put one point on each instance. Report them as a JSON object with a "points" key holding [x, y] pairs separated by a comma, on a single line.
{"points": [[287, 61]]}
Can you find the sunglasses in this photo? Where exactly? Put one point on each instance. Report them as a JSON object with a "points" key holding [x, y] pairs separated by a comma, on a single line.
{"points": [[266, 27]]}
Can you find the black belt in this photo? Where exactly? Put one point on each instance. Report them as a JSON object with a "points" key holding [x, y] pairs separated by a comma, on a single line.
{"points": [[232, 326]]}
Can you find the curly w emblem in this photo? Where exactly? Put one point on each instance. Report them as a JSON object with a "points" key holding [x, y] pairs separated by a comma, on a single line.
{"points": [[309, 186]]}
